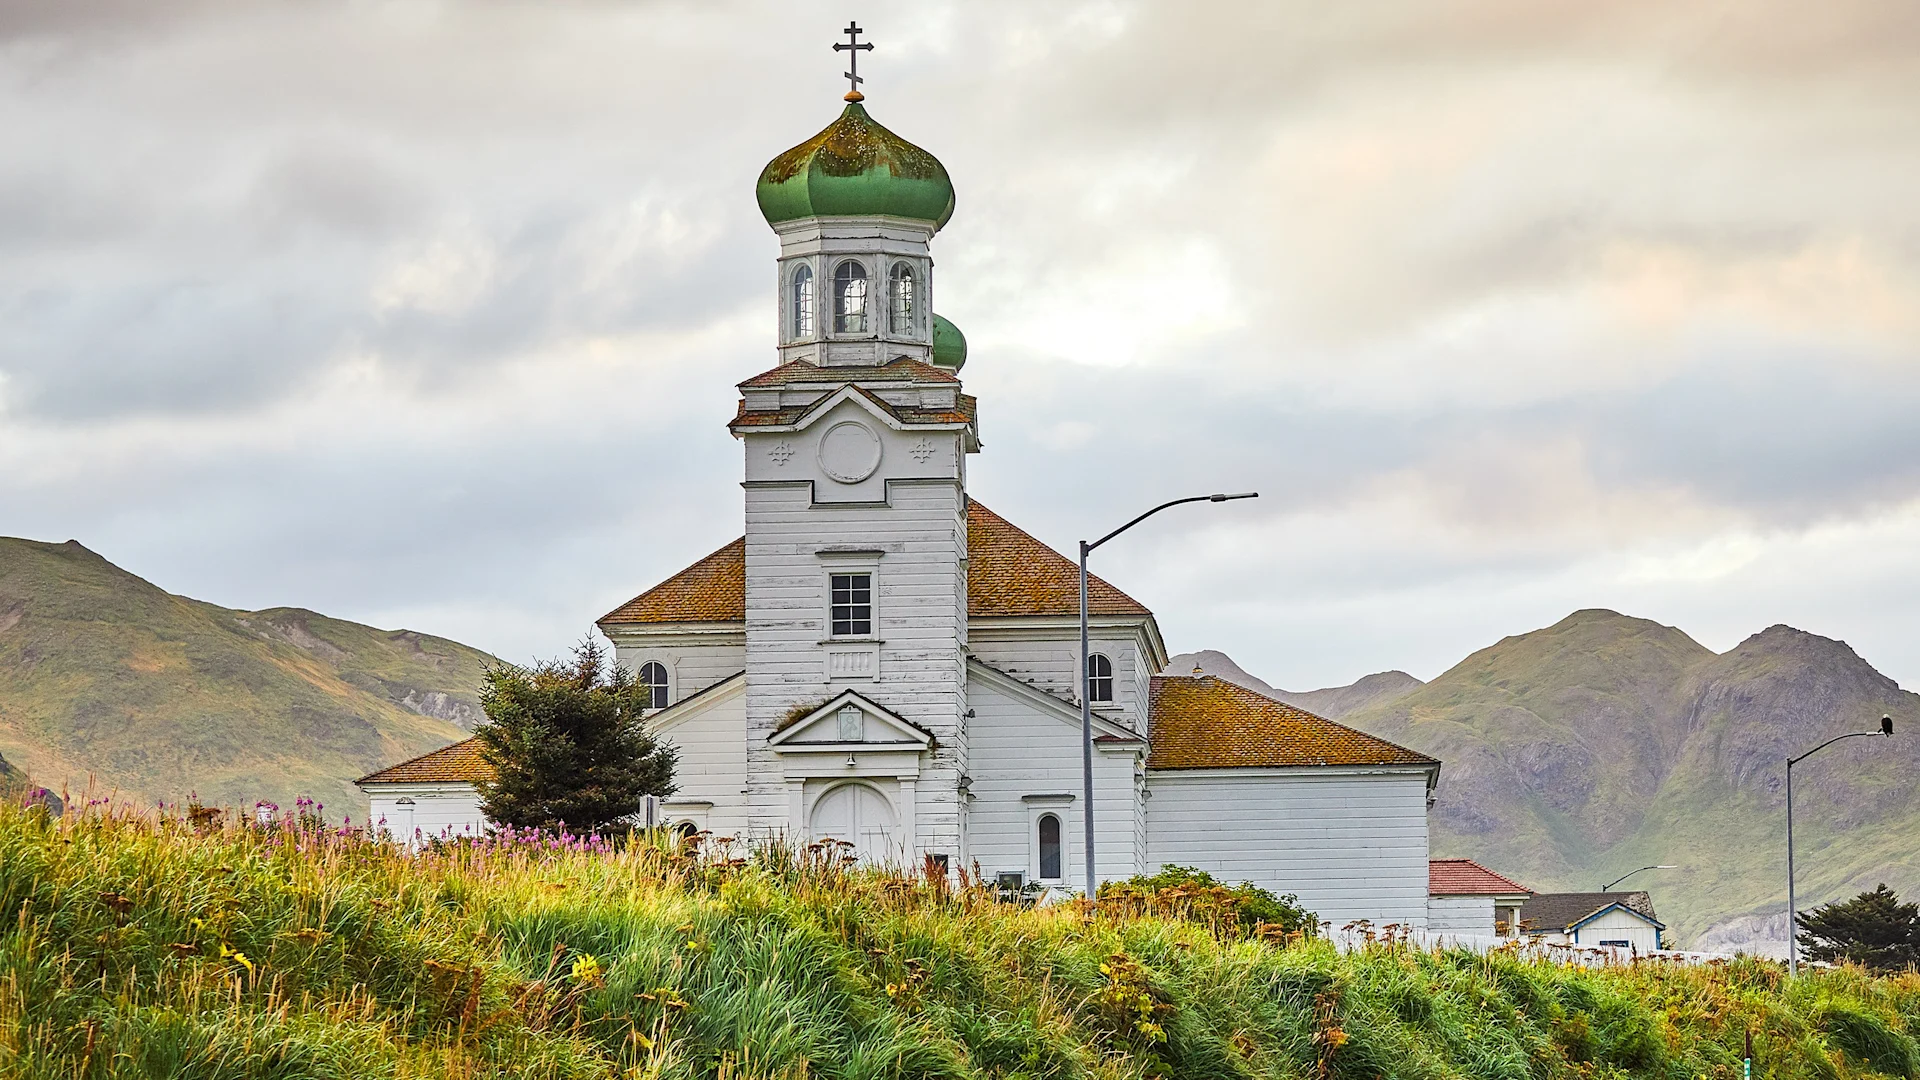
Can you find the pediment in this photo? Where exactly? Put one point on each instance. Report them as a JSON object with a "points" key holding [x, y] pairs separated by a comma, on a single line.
{"points": [[849, 721]]}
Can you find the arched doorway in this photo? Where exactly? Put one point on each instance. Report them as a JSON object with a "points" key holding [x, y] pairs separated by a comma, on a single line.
{"points": [[858, 815]]}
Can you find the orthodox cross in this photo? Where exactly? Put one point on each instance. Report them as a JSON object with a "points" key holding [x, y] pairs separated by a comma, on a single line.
{"points": [[853, 47]]}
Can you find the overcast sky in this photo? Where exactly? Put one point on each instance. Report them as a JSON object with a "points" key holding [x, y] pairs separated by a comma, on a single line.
{"points": [[428, 314]]}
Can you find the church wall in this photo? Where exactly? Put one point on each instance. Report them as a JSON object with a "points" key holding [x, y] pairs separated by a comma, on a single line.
{"points": [[1021, 756], [1049, 657], [693, 663], [712, 767], [1350, 845], [913, 544]]}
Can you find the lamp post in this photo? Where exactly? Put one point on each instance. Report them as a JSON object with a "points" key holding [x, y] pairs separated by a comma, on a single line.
{"points": [[1609, 886], [1793, 910], [1086, 699]]}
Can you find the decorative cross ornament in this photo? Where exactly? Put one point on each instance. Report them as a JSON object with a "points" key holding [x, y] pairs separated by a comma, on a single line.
{"points": [[853, 46]]}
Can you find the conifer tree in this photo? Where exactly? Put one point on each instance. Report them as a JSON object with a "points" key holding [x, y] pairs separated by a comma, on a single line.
{"points": [[567, 745], [1873, 929]]}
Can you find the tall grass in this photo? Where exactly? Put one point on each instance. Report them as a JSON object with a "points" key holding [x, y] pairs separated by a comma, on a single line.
{"points": [[139, 946]]}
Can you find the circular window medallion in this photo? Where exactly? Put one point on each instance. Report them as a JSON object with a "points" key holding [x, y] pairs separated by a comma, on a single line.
{"points": [[849, 451]]}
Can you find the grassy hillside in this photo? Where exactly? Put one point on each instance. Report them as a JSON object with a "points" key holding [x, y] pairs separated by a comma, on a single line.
{"points": [[146, 949], [1603, 743], [103, 675]]}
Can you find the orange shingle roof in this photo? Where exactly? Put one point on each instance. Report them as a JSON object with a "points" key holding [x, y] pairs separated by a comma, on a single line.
{"points": [[1464, 877], [1011, 573], [1208, 723], [459, 763], [711, 590], [900, 369], [1008, 573]]}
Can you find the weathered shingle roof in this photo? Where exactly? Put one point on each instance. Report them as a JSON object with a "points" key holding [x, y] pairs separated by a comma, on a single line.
{"points": [[901, 369], [1558, 911], [711, 590], [965, 410], [1201, 722], [459, 763], [1009, 573], [1464, 877]]}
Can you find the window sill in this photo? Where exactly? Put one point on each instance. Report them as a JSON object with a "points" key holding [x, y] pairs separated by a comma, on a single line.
{"points": [[852, 641]]}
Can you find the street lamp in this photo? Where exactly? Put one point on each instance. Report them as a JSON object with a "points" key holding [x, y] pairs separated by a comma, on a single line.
{"points": [[1609, 886], [1793, 910], [1086, 698]]}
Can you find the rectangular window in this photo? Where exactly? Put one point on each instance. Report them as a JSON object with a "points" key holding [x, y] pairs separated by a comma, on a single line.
{"points": [[852, 604]]}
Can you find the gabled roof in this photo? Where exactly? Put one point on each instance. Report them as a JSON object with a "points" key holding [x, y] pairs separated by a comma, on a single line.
{"points": [[1009, 573], [965, 410], [460, 763], [711, 590], [1560, 912], [1201, 722], [900, 369], [1464, 877]]}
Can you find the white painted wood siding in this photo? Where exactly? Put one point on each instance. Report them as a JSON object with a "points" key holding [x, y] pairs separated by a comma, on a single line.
{"points": [[1617, 925], [711, 772], [1460, 915], [1019, 751], [1049, 657], [438, 811], [920, 532], [694, 661], [1350, 845]]}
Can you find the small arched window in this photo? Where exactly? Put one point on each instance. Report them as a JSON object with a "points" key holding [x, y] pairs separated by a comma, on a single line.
{"points": [[1099, 678], [1050, 847], [900, 299], [850, 298], [801, 317], [653, 684]]}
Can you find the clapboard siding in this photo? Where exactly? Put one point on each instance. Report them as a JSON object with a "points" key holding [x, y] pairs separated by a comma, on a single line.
{"points": [[1350, 845], [920, 531], [1460, 915], [711, 739], [1052, 662], [438, 811], [1019, 750], [693, 663]]}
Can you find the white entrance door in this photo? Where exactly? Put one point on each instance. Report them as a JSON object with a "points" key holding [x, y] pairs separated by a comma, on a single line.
{"points": [[861, 816]]}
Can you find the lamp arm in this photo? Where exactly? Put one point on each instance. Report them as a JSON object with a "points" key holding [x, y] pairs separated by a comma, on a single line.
{"points": [[1792, 761], [1145, 516]]}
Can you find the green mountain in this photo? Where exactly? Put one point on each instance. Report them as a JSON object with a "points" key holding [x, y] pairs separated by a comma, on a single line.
{"points": [[1603, 743], [107, 681]]}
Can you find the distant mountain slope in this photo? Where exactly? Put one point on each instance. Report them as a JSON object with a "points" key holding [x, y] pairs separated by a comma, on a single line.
{"points": [[1603, 743], [1332, 702], [105, 675]]}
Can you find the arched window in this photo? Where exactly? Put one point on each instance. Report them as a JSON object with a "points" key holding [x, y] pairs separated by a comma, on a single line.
{"points": [[850, 298], [900, 299], [802, 302], [1050, 847], [1099, 678], [653, 683]]}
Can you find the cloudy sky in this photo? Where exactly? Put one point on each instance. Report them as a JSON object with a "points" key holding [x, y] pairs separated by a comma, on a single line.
{"points": [[428, 314]]}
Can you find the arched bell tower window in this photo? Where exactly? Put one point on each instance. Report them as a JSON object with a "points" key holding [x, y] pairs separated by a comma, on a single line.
{"points": [[801, 302], [850, 298], [1050, 868], [1099, 678], [900, 300], [653, 684]]}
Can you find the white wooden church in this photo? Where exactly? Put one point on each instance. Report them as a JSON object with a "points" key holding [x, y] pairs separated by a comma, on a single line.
{"points": [[883, 660]]}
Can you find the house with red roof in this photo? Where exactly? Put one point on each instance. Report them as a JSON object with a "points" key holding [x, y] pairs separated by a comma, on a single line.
{"points": [[1464, 897], [882, 660]]}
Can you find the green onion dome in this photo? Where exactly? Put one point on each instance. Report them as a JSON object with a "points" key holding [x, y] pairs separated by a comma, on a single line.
{"points": [[949, 344], [855, 167]]}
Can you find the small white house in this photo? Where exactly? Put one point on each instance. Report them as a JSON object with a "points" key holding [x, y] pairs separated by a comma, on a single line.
{"points": [[1464, 897], [1622, 919]]}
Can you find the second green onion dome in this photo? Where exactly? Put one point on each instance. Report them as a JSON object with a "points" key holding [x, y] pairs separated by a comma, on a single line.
{"points": [[949, 344], [855, 167]]}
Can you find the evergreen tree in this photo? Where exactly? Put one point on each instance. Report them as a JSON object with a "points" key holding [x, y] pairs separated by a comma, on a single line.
{"points": [[567, 745], [1873, 929]]}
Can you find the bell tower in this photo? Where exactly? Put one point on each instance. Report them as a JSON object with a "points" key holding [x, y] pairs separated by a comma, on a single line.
{"points": [[855, 451]]}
